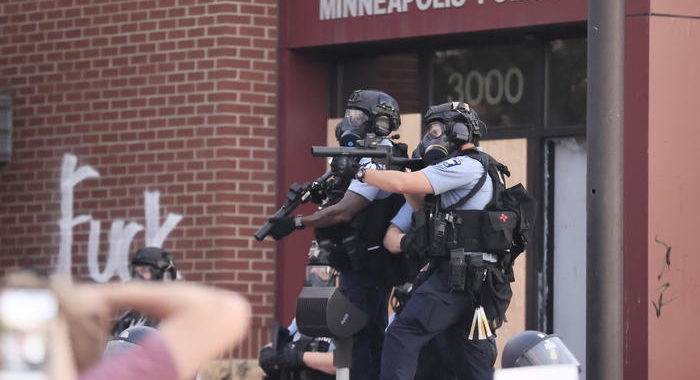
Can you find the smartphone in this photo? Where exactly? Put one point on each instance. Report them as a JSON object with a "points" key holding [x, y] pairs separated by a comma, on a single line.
{"points": [[25, 320]]}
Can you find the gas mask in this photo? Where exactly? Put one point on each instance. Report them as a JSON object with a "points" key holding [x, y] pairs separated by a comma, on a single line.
{"points": [[352, 128], [356, 124], [436, 144]]}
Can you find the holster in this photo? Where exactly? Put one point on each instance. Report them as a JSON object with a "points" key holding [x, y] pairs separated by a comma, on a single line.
{"points": [[356, 251]]}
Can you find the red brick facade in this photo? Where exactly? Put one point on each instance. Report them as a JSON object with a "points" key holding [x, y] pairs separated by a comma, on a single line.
{"points": [[169, 96]]}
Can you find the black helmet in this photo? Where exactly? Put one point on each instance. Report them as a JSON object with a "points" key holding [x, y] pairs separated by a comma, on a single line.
{"points": [[460, 124], [530, 348], [128, 339], [380, 112], [158, 260]]}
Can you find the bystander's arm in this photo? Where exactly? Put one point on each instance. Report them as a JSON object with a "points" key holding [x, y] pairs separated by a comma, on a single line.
{"points": [[197, 323]]}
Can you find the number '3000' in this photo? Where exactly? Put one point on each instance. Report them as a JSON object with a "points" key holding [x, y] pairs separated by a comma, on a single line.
{"points": [[495, 86]]}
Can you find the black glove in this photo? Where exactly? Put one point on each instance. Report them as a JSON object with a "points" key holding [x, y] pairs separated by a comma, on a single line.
{"points": [[267, 361], [407, 246], [344, 167], [282, 226], [290, 359]]}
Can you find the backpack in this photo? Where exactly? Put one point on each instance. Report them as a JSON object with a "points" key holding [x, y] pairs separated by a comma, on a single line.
{"points": [[514, 200]]}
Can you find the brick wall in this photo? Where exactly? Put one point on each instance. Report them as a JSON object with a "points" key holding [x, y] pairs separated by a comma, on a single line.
{"points": [[169, 96]]}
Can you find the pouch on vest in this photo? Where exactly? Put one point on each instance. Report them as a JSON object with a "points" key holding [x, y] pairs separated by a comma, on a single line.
{"points": [[497, 230], [517, 198], [495, 296], [416, 244]]}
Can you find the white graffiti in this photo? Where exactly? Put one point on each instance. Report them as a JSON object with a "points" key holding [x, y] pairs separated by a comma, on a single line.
{"points": [[121, 233]]}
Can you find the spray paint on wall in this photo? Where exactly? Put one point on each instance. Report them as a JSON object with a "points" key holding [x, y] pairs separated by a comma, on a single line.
{"points": [[121, 233]]}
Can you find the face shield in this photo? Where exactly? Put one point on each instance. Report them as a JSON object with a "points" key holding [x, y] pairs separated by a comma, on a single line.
{"points": [[549, 351], [142, 272], [318, 272], [534, 348]]}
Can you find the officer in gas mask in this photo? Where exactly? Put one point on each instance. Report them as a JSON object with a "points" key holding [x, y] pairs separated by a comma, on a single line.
{"points": [[148, 264], [351, 230], [446, 195]]}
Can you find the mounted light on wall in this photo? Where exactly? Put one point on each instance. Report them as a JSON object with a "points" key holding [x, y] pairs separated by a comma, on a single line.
{"points": [[5, 128]]}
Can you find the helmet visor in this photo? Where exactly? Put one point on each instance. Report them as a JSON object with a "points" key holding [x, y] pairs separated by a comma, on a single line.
{"points": [[549, 351], [355, 117]]}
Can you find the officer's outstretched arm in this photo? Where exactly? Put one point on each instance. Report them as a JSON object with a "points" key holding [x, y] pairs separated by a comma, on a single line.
{"points": [[321, 361], [340, 212], [392, 239], [399, 182]]}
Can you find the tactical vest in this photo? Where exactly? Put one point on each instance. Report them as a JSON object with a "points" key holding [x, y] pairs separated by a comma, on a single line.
{"points": [[359, 244], [470, 230]]}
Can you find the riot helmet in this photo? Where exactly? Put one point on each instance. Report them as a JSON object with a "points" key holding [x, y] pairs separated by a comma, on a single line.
{"points": [[368, 111], [153, 263], [531, 348], [128, 339], [449, 126]]}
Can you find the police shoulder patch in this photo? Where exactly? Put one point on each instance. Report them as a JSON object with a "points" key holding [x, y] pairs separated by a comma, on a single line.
{"points": [[452, 162]]}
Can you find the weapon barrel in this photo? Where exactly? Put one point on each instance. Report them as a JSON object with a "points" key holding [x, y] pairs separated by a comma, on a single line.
{"points": [[329, 151]]}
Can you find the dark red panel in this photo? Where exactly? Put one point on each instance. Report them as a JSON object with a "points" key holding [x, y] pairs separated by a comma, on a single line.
{"points": [[637, 7], [302, 116], [302, 26], [636, 207]]}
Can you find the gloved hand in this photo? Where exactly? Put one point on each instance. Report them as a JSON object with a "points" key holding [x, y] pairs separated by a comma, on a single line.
{"points": [[282, 226], [267, 361], [290, 359], [344, 167]]}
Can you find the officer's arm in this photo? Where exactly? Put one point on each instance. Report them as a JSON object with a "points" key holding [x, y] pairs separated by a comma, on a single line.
{"points": [[392, 239], [340, 212], [415, 200], [321, 361], [399, 182]]}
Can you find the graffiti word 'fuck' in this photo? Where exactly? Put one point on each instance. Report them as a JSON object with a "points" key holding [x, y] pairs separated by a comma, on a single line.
{"points": [[121, 233]]}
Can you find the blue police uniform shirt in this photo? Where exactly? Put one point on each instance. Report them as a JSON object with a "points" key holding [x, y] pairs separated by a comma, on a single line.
{"points": [[402, 220], [455, 177], [366, 190]]}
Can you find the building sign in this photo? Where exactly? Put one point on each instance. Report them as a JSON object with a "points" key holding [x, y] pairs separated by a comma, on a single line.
{"points": [[338, 9], [316, 23], [497, 81]]}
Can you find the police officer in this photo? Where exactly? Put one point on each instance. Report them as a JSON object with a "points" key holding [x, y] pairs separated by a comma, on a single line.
{"points": [[356, 225], [148, 264], [445, 303]]}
